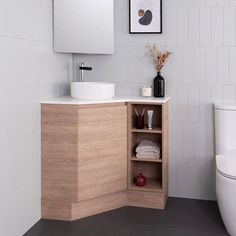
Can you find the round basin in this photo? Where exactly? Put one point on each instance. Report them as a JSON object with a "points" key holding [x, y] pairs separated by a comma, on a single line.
{"points": [[92, 90]]}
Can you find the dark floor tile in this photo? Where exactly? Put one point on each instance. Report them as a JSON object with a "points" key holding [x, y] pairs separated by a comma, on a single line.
{"points": [[124, 215], [51, 228], [113, 230], [185, 214], [75, 229], [109, 223], [120, 230], [181, 217], [145, 230]]}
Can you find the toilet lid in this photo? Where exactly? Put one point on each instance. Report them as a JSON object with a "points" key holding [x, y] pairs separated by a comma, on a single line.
{"points": [[225, 106], [226, 165]]}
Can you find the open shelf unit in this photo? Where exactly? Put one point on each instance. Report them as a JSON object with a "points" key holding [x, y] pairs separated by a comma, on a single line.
{"points": [[152, 171], [154, 193]]}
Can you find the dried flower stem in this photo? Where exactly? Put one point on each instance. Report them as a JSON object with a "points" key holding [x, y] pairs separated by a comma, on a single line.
{"points": [[158, 57]]}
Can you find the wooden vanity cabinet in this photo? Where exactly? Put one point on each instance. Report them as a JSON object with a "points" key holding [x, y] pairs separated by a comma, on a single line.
{"points": [[84, 159], [89, 163]]}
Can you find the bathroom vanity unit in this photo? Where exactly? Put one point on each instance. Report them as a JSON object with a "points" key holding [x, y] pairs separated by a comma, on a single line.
{"points": [[88, 161]]}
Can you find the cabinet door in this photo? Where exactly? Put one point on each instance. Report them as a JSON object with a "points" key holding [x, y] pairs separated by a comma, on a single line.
{"points": [[83, 26], [102, 151]]}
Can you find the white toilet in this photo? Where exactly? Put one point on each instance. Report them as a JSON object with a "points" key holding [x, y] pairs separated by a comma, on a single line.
{"points": [[225, 135]]}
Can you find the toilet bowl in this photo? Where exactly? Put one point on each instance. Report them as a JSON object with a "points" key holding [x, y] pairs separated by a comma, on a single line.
{"points": [[225, 137], [226, 190]]}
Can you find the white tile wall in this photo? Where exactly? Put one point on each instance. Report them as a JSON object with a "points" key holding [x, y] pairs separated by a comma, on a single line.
{"points": [[223, 65], [205, 26], [29, 72], [229, 26], [193, 26], [182, 26], [202, 70], [217, 26]]}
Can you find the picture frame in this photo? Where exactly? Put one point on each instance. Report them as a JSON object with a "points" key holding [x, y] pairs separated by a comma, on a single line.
{"points": [[145, 16]]}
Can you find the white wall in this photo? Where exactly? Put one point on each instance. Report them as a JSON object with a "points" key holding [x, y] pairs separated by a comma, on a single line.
{"points": [[29, 72], [202, 36]]}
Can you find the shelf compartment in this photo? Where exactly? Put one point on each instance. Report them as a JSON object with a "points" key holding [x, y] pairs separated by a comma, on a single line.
{"points": [[152, 185], [152, 172], [136, 138], [157, 115], [145, 160]]}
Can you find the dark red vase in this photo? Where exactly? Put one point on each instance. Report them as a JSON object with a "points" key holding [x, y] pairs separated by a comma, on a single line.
{"points": [[140, 180]]}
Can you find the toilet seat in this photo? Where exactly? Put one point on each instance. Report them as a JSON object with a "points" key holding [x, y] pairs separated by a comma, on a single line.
{"points": [[226, 166]]}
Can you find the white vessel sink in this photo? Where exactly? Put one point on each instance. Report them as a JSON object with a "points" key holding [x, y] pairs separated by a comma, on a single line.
{"points": [[92, 90]]}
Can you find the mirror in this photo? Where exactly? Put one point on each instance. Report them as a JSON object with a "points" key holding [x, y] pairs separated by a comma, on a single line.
{"points": [[84, 26]]}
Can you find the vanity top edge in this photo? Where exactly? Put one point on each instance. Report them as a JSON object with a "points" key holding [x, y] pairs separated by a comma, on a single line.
{"points": [[68, 100]]}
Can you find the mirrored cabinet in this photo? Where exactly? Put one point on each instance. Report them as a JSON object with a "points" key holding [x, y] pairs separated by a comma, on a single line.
{"points": [[84, 26]]}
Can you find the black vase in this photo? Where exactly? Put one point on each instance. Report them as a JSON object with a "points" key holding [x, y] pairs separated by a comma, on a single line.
{"points": [[159, 86]]}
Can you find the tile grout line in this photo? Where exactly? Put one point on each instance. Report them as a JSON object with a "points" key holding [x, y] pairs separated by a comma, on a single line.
{"points": [[135, 223]]}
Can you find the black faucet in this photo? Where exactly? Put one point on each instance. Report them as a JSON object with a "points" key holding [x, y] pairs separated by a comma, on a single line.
{"points": [[82, 68]]}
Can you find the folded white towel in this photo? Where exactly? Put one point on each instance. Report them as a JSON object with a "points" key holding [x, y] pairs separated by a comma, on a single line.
{"points": [[149, 152], [148, 155], [157, 152], [148, 146]]}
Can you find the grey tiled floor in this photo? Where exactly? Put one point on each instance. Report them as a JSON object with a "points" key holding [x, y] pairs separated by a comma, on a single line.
{"points": [[182, 217]]}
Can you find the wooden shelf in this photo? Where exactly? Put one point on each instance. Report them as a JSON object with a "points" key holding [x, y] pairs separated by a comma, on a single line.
{"points": [[155, 130], [152, 185], [145, 160], [154, 193]]}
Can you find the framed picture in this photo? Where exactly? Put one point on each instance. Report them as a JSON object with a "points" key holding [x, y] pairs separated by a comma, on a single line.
{"points": [[145, 16]]}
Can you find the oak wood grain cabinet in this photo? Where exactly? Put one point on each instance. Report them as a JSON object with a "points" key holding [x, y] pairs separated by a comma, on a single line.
{"points": [[84, 159], [89, 163]]}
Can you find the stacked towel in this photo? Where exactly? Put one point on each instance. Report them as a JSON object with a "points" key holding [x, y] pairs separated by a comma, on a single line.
{"points": [[148, 149]]}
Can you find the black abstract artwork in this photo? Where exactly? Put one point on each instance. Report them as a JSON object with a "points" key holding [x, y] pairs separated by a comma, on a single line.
{"points": [[146, 17]]}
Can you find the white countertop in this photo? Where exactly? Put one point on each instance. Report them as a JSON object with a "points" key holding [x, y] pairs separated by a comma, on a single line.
{"points": [[68, 100]]}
